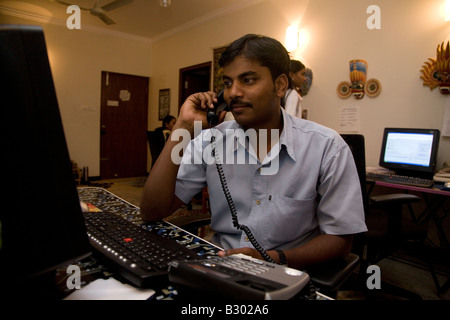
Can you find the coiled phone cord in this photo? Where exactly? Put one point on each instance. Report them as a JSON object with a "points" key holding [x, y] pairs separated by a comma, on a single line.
{"points": [[232, 207], [311, 294]]}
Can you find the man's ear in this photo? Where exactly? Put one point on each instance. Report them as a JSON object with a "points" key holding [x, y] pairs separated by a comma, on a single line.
{"points": [[281, 85]]}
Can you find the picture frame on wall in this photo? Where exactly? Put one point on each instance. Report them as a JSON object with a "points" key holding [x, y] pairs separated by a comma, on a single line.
{"points": [[164, 103], [218, 72]]}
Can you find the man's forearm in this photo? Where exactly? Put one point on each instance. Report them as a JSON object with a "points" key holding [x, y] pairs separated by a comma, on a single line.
{"points": [[158, 198], [320, 249]]}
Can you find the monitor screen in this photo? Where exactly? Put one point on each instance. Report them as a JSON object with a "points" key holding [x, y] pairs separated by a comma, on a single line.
{"points": [[41, 224], [411, 152]]}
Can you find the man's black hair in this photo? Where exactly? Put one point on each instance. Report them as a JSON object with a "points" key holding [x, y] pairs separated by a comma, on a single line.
{"points": [[267, 51]]}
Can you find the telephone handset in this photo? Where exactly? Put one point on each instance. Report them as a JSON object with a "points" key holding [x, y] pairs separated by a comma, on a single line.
{"points": [[213, 114]]}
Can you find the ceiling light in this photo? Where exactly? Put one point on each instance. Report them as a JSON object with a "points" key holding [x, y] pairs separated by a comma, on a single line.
{"points": [[165, 3]]}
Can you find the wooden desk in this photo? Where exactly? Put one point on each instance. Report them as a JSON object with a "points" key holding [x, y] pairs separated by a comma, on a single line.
{"points": [[412, 188], [435, 209], [435, 201]]}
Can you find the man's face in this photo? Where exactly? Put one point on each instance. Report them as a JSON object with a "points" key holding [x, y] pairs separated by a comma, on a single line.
{"points": [[252, 95]]}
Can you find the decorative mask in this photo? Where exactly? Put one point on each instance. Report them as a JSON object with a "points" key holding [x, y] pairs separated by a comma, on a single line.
{"points": [[436, 72], [358, 71], [358, 86]]}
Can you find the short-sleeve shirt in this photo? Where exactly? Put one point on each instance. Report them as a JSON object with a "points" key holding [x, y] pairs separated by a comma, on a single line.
{"points": [[305, 186]]}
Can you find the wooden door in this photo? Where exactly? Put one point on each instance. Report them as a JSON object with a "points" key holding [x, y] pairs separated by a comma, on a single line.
{"points": [[194, 79], [123, 127]]}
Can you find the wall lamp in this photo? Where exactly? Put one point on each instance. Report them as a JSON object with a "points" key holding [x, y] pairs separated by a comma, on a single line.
{"points": [[296, 39], [447, 10]]}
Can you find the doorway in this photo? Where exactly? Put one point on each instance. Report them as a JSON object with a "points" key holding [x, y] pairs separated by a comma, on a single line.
{"points": [[194, 79], [123, 127]]}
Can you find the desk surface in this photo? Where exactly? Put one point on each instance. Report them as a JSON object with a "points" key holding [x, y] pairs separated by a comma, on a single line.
{"points": [[107, 201], [411, 188], [435, 199]]}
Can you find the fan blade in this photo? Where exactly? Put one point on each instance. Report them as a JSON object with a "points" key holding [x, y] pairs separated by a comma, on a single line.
{"points": [[106, 19], [116, 4]]}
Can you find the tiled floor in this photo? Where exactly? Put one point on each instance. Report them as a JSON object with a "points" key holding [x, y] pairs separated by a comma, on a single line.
{"points": [[403, 269]]}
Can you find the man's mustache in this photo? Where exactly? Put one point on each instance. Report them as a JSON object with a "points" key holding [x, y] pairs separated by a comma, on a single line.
{"points": [[239, 103]]}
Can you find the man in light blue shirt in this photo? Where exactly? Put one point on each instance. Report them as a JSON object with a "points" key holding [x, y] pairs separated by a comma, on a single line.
{"points": [[296, 199], [292, 182]]}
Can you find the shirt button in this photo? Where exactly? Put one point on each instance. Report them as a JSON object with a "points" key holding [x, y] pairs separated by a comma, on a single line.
{"points": [[258, 202], [247, 239]]}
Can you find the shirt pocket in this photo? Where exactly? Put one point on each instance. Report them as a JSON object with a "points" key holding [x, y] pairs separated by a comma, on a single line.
{"points": [[289, 219]]}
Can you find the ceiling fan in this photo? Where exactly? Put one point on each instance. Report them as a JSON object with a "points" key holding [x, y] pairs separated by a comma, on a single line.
{"points": [[101, 11]]}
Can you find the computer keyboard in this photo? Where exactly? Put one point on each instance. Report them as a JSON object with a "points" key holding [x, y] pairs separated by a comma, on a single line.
{"points": [[141, 256], [392, 178]]}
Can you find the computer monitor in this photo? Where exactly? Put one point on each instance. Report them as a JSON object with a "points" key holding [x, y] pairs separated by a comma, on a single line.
{"points": [[410, 152], [41, 223]]}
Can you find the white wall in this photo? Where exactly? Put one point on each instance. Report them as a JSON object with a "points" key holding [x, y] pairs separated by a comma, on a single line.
{"points": [[410, 32], [77, 59]]}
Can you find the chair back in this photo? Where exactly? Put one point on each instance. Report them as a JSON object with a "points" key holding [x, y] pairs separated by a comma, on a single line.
{"points": [[156, 144], [357, 146]]}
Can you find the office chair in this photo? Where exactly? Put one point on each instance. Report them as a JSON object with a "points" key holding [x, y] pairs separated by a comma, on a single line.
{"points": [[156, 144]]}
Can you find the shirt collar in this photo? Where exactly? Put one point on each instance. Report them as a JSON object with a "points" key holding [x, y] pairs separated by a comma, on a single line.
{"points": [[286, 138]]}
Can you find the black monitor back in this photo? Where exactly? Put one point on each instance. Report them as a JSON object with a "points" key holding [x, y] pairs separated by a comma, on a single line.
{"points": [[42, 226]]}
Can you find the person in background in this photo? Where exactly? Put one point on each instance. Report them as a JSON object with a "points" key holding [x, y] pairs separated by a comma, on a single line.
{"points": [[292, 100], [161, 135], [167, 126]]}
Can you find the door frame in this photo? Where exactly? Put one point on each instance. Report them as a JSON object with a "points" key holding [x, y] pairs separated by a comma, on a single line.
{"points": [[187, 70]]}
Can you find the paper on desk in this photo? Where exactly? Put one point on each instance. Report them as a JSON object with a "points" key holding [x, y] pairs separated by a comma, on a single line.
{"points": [[110, 289]]}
